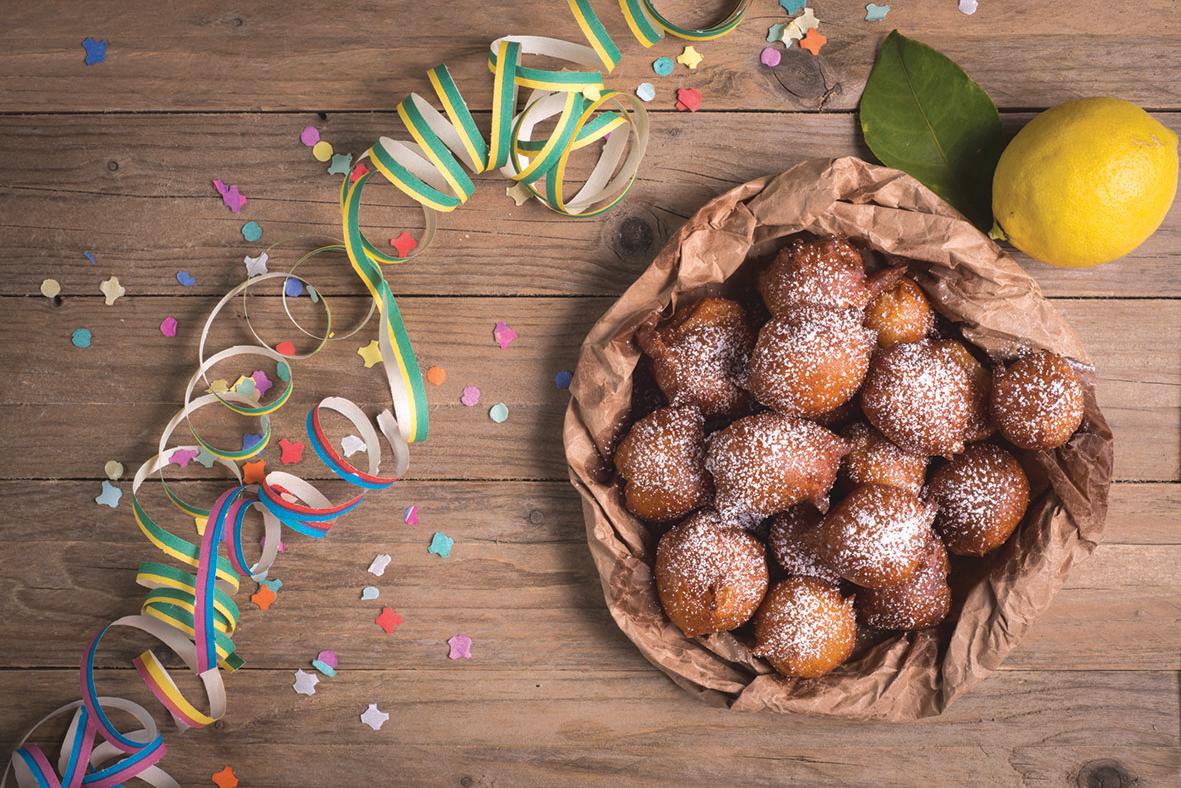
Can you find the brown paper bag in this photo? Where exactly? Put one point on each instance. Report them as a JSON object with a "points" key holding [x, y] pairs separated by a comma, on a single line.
{"points": [[999, 308]]}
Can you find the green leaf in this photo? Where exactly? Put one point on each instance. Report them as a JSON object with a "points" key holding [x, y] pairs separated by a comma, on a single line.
{"points": [[920, 113]]}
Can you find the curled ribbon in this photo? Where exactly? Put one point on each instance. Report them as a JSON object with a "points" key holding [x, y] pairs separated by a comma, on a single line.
{"points": [[190, 609]]}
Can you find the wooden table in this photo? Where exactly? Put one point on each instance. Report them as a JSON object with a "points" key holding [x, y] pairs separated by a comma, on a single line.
{"points": [[117, 158]]}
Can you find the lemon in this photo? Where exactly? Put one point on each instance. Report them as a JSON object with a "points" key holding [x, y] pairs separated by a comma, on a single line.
{"points": [[1085, 182]]}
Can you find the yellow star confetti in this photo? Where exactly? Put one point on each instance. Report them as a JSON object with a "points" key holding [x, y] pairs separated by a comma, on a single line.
{"points": [[219, 386], [690, 57], [112, 289], [371, 353], [519, 192]]}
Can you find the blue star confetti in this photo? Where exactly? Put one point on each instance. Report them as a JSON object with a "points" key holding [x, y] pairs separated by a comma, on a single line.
{"points": [[875, 12], [96, 51], [109, 496]]}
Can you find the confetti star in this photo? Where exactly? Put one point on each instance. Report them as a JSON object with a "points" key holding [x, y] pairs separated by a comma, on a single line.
{"points": [[792, 7], [374, 717], [256, 265], [519, 192], [305, 683], [441, 544], [875, 12], [182, 457], [340, 164], [814, 41], [351, 444], [254, 472], [290, 452], [388, 620], [205, 458], [230, 195], [96, 51], [503, 334], [225, 778], [690, 57], [968, 7], [292, 287], [112, 290], [370, 592], [775, 33], [688, 99], [792, 33], [250, 440], [109, 496], [404, 244], [461, 647], [264, 597], [358, 172], [806, 21], [261, 382], [371, 354], [272, 583], [380, 562]]}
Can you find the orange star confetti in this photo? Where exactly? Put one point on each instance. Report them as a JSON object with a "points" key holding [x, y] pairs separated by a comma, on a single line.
{"points": [[254, 472], [225, 778], [436, 376], [264, 598], [814, 41]]}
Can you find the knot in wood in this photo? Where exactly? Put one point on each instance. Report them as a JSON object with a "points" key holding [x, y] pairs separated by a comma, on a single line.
{"points": [[1105, 773], [635, 235]]}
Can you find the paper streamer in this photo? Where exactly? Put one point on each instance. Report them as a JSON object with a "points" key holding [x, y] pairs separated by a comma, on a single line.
{"points": [[189, 609]]}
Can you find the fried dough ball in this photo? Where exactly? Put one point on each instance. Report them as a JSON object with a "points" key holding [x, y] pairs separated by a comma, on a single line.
{"points": [[710, 578], [982, 495], [1037, 402], [922, 600], [874, 460], [661, 460], [763, 464], [699, 355], [810, 360], [980, 424], [824, 272], [919, 397], [794, 542], [900, 314], [876, 536], [805, 628], [839, 416]]}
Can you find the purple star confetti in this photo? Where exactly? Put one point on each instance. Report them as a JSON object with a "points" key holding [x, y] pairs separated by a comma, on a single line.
{"points": [[230, 195], [262, 384], [182, 457], [460, 647]]}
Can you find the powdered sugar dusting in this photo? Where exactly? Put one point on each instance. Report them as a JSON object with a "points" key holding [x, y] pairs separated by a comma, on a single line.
{"points": [[710, 578], [662, 460], [920, 601], [810, 360], [825, 272], [919, 398], [764, 463], [982, 495], [805, 627], [1038, 401], [875, 537], [794, 542]]}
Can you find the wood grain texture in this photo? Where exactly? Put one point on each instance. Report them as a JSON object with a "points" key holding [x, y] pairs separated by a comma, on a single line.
{"points": [[278, 55], [138, 194], [519, 581], [462, 724], [118, 159], [49, 392]]}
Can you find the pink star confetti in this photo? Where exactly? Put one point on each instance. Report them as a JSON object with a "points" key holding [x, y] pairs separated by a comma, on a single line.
{"points": [[688, 99], [262, 384], [182, 457], [503, 334], [290, 452], [230, 195], [461, 647], [410, 515], [388, 620], [404, 244], [470, 396], [168, 326]]}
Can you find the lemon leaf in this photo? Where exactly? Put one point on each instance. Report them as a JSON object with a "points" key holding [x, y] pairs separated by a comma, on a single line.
{"points": [[920, 113]]}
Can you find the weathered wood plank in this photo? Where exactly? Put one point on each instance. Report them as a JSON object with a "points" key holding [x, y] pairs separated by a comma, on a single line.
{"points": [[461, 724], [519, 581], [291, 55], [137, 193], [132, 379]]}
